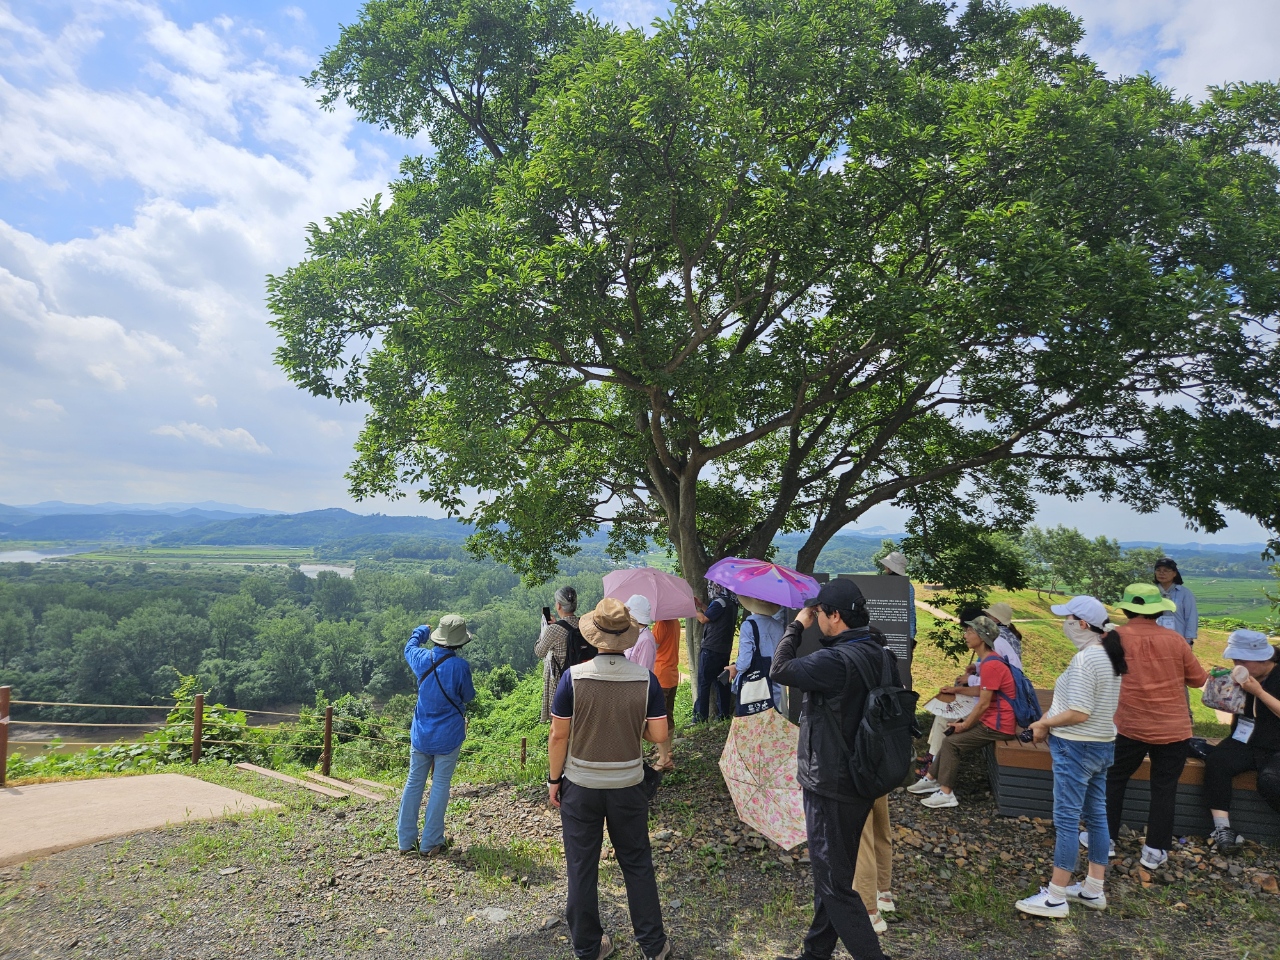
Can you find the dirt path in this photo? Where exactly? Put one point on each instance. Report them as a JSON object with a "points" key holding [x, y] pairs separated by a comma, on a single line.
{"points": [[322, 879]]}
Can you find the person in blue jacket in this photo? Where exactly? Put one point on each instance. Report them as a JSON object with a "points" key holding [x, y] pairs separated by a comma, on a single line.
{"points": [[439, 727]]}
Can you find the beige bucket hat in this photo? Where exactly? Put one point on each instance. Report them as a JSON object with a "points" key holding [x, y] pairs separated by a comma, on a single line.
{"points": [[609, 627]]}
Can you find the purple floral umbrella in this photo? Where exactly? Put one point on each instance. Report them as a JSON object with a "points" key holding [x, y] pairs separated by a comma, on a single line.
{"points": [[763, 580]]}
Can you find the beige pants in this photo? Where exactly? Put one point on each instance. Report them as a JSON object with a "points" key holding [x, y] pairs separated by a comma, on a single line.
{"points": [[874, 872], [946, 764]]}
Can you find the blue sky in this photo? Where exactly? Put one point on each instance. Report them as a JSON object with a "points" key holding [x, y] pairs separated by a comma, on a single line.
{"points": [[158, 159]]}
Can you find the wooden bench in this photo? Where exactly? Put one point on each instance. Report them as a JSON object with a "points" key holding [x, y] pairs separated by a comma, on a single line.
{"points": [[1022, 783]]}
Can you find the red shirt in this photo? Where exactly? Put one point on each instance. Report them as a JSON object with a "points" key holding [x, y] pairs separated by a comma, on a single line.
{"points": [[996, 676]]}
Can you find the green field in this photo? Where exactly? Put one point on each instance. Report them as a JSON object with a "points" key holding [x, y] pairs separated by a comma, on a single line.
{"points": [[1228, 597], [201, 554]]}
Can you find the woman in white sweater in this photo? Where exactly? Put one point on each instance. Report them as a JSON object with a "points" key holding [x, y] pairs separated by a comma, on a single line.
{"points": [[1081, 732]]}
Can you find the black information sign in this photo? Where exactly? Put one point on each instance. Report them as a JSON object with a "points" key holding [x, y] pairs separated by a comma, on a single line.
{"points": [[889, 604]]}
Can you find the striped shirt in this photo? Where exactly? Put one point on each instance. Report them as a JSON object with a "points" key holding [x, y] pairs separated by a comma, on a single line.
{"points": [[1091, 686]]}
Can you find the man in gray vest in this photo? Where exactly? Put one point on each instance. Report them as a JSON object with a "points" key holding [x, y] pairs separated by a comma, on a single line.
{"points": [[595, 774]]}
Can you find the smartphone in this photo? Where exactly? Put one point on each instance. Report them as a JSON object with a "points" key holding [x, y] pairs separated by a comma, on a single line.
{"points": [[546, 614], [1026, 736], [949, 731]]}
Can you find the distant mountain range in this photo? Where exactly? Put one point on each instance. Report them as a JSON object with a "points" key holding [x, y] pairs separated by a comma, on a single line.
{"points": [[226, 524]]}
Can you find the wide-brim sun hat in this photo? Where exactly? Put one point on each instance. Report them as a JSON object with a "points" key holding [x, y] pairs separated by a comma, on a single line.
{"points": [[986, 628], [1248, 645], [452, 632], [1089, 609], [1001, 613], [1145, 598], [762, 607], [895, 562], [610, 628]]}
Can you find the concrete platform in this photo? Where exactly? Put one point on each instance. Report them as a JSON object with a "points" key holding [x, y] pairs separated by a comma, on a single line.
{"points": [[45, 818]]}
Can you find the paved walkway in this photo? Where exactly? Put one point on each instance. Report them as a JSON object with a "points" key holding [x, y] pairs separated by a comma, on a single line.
{"points": [[42, 819]]}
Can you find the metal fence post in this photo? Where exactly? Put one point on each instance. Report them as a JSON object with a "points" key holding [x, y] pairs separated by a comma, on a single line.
{"points": [[197, 728], [326, 756], [4, 732]]}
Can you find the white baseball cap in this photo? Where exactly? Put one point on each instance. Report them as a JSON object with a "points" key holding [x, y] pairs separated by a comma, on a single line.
{"points": [[1088, 609]]}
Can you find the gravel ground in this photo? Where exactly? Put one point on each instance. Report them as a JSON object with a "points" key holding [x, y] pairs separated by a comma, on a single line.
{"points": [[322, 879]]}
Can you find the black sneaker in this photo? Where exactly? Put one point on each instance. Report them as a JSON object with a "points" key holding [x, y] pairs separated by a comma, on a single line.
{"points": [[1226, 840]]}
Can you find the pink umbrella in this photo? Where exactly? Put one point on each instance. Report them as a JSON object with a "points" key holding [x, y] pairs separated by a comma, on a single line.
{"points": [[670, 598], [764, 581], [759, 768]]}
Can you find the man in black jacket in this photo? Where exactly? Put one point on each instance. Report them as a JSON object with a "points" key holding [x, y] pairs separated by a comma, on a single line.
{"points": [[834, 812]]}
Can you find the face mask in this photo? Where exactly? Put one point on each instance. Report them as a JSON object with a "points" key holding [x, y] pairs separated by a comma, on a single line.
{"points": [[1079, 633]]}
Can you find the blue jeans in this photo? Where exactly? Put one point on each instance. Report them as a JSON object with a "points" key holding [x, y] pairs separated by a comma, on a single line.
{"points": [[1080, 789], [440, 767]]}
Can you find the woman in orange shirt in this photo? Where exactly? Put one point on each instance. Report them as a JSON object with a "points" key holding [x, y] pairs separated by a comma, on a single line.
{"points": [[666, 667]]}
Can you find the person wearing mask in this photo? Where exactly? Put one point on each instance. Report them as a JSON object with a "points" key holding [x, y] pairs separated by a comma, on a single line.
{"points": [[757, 640], [645, 651], [718, 619], [601, 712], [1152, 719], [1010, 639], [1184, 618], [991, 720], [553, 645], [834, 812], [1081, 733], [439, 727], [1254, 743], [666, 667]]}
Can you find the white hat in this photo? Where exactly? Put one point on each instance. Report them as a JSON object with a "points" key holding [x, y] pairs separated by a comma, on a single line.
{"points": [[1248, 645], [895, 562], [640, 609], [1088, 609]]}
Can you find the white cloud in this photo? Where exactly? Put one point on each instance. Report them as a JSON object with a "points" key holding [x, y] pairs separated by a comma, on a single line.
{"points": [[235, 439], [213, 157]]}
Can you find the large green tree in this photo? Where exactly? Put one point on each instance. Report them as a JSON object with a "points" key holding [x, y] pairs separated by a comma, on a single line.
{"points": [[770, 264]]}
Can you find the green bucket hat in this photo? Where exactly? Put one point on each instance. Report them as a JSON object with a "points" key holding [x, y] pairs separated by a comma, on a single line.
{"points": [[452, 632], [1145, 598]]}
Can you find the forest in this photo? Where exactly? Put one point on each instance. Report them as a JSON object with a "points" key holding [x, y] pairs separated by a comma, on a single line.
{"points": [[255, 635]]}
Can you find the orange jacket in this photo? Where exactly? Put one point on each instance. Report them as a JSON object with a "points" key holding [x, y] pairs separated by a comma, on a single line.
{"points": [[1153, 701]]}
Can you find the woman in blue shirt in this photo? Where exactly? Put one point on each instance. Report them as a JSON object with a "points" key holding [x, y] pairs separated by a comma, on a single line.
{"points": [[1185, 620], [760, 632], [439, 727]]}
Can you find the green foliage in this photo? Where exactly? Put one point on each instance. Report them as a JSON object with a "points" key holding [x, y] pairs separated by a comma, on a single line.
{"points": [[1064, 559], [768, 264]]}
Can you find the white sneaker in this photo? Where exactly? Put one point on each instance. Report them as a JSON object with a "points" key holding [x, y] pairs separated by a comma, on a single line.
{"points": [[1152, 858], [878, 923], [924, 785], [940, 799], [884, 900], [1076, 894], [1084, 842], [1041, 906]]}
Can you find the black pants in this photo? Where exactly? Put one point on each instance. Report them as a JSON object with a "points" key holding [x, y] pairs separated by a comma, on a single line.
{"points": [[835, 830], [1167, 761], [710, 666], [583, 814], [1231, 757]]}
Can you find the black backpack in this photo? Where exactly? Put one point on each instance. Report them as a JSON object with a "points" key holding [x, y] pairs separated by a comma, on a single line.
{"points": [[577, 650], [882, 746]]}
